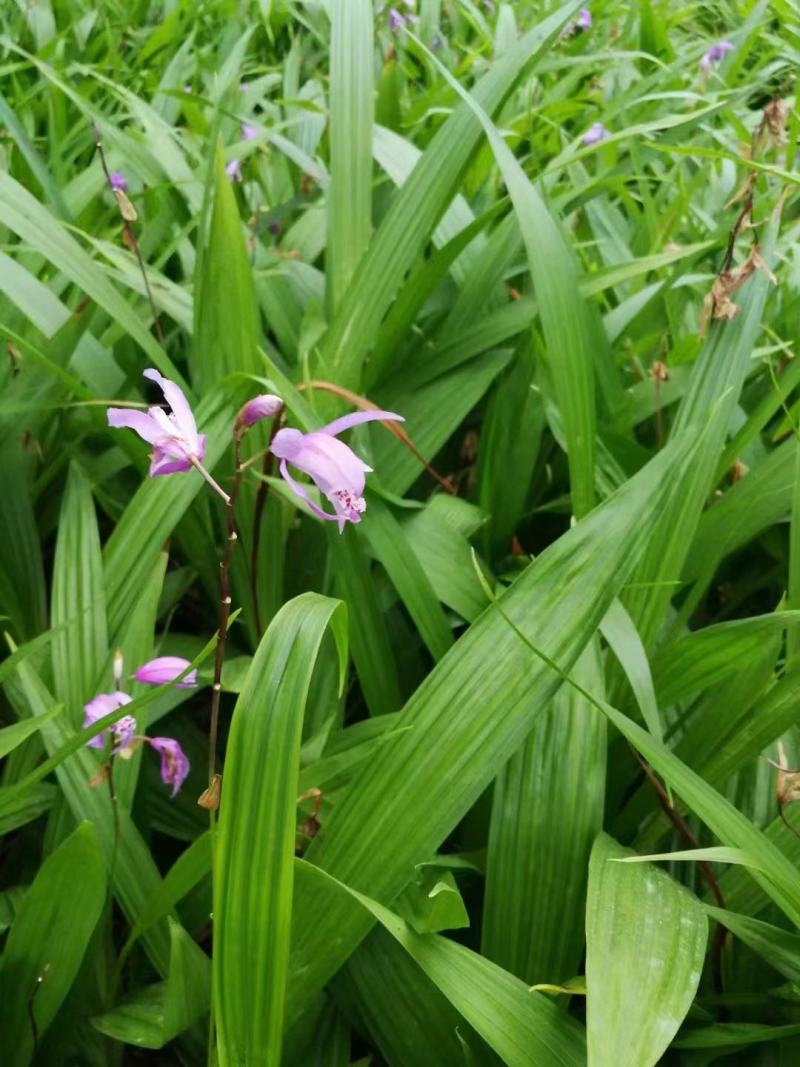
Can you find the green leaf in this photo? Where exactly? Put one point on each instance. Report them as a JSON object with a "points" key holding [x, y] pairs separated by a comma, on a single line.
{"points": [[717, 378], [225, 316], [388, 541], [47, 941], [13, 736], [780, 948], [80, 643], [419, 205], [569, 335], [349, 195], [254, 852], [157, 1014], [521, 1026], [33, 224], [546, 812], [418, 788], [779, 879], [618, 629], [645, 942]]}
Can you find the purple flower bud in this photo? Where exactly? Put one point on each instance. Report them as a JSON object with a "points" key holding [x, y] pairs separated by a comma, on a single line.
{"points": [[100, 706], [715, 54], [396, 20], [174, 764], [165, 669], [117, 180], [584, 19], [234, 170], [595, 134], [249, 133], [265, 406]]}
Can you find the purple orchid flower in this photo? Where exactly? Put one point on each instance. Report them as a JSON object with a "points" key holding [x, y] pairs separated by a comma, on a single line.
{"points": [[174, 762], [118, 181], [121, 732], [334, 468], [396, 19], [584, 19], [234, 170], [166, 669], [595, 134], [177, 446], [265, 406], [715, 54], [249, 133]]}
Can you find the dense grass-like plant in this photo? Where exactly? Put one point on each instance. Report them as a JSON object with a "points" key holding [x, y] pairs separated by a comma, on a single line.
{"points": [[418, 683]]}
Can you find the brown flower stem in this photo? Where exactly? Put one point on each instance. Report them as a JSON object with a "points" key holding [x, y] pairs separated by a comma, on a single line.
{"points": [[130, 240], [224, 608], [683, 828]]}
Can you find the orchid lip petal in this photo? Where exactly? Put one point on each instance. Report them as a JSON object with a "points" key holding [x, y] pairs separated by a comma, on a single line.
{"points": [[304, 494], [356, 418]]}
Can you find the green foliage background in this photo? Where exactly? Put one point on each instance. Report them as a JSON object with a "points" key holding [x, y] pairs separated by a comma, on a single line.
{"points": [[566, 641]]}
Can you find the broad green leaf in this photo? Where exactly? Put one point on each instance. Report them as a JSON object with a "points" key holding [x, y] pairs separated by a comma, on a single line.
{"points": [[778, 947], [157, 1014], [419, 205], [22, 582], [645, 942], [779, 879], [225, 317], [47, 941], [417, 789], [521, 1026], [717, 378], [14, 735], [254, 851], [569, 336], [389, 543], [401, 1008], [351, 106], [546, 812], [618, 629], [32, 223], [80, 643]]}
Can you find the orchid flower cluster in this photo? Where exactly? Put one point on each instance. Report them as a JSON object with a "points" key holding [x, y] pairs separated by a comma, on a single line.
{"points": [[124, 739], [333, 467]]}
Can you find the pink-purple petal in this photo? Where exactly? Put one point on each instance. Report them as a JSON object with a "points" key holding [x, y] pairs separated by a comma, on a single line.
{"points": [[304, 494], [174, 395], [164, 669], [174, 762], [97, 708], [140, 422], [355, 418]]}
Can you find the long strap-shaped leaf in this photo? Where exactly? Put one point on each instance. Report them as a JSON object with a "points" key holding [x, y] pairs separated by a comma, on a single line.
{"points": [[255, 846], [524, 1028], [420, 203], [471, 713], [645, 942], [568, 330]]}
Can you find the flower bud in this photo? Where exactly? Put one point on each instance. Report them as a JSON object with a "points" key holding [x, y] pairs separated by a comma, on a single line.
{"points": [[166, 669], [265, 406]]}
